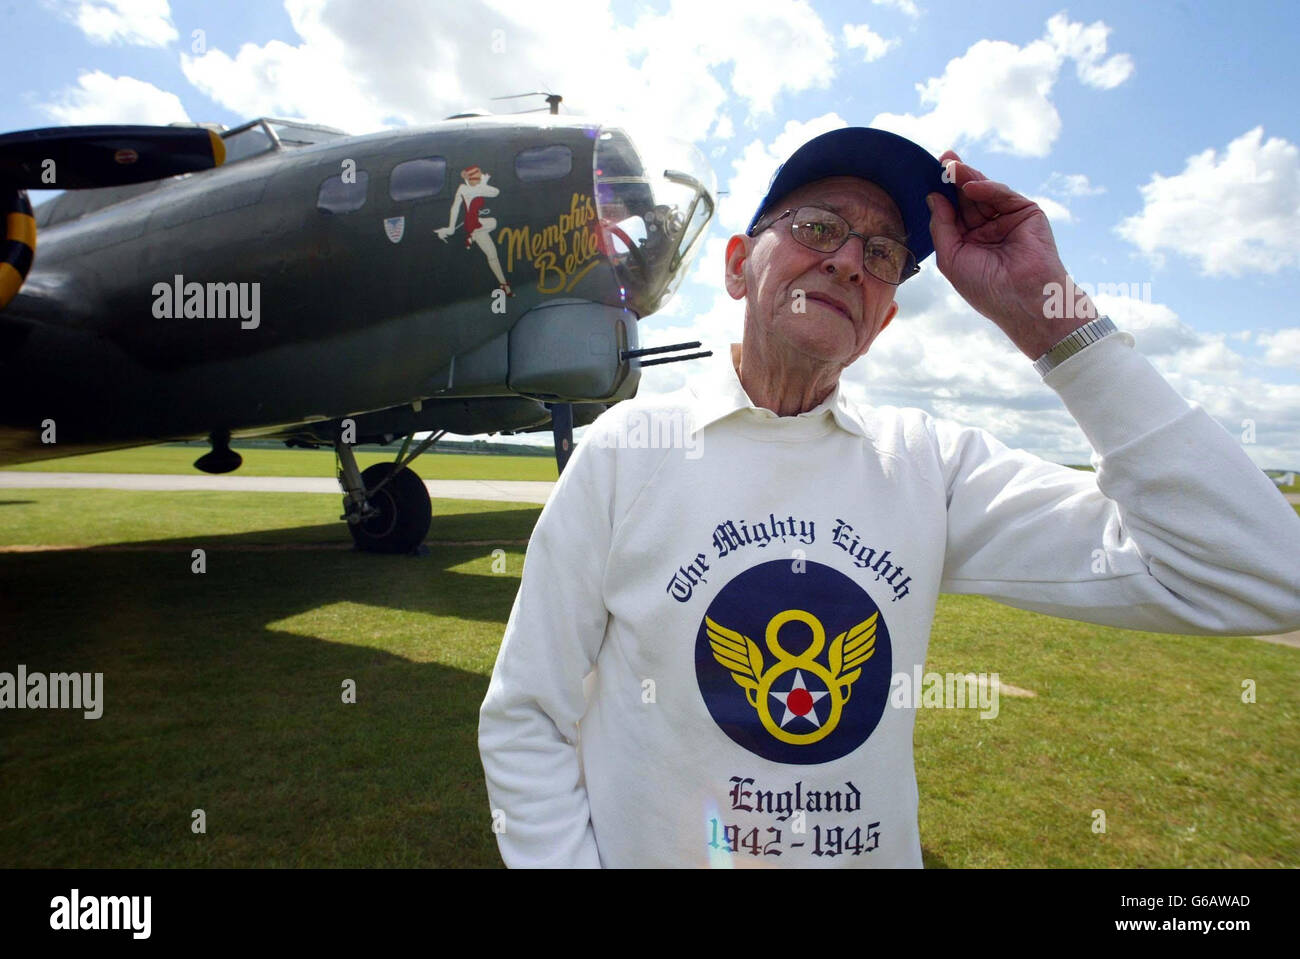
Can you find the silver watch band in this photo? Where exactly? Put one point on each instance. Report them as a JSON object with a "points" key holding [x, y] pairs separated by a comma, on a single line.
{"points": [[1080, 339]]}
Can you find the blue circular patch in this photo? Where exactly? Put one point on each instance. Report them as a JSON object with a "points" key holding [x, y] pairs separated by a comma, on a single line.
{"points": [[794, 661]]}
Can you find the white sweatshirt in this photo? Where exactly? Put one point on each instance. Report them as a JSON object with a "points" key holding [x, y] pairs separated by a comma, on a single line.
{"points": [[745, 591]]}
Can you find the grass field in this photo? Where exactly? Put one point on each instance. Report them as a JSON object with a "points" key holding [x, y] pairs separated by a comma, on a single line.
{"points": [[297, 462], [222, 692], [287, 462]]}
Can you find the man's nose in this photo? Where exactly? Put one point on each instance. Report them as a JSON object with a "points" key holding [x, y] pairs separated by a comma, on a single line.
{"points": [[848, 260]]}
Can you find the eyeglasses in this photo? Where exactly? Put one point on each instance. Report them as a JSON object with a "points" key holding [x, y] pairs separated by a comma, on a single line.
{"points": [[821, 230]]}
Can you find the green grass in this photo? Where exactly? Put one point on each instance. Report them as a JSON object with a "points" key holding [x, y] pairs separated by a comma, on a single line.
{"points": [[287, 462], [1293, 488], [1150, 729], [222, 692], [97, 517]]}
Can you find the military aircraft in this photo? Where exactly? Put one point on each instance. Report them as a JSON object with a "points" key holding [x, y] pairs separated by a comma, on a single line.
{"points": [[282, 279]]}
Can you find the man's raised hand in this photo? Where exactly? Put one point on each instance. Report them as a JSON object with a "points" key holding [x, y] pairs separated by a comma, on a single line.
{"points": [[998, 252]]}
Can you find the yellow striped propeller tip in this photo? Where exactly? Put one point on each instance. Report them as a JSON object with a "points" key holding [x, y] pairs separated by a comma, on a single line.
{"points": [[218, 149]]}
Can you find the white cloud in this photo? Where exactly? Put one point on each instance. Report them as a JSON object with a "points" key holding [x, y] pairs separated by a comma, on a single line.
{"points": [[1233, 214], [999, 94], [675, 70], [1129, 304], [280, 80], [758, 162], [873, 45], [100, 98], [724, 129], [1282, 348], [1086, 46], [716, 329], [907, 7], [1056, 212], [769, 42], [145, 23], [1071, 184], [707, 270], [941, 356]]}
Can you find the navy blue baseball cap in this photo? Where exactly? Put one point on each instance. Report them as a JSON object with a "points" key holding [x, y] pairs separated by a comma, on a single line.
{"points": [[906, 171]]}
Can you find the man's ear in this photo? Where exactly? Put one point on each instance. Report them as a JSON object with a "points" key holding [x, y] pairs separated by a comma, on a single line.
{"points": [[737, 254]]}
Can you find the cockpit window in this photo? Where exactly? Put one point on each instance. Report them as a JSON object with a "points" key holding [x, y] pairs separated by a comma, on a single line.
{"points": [[301, 134], [242, 144], [544, 163], [264, 135], [652, 213], [616, 155], [417, 178], [336, 196]]}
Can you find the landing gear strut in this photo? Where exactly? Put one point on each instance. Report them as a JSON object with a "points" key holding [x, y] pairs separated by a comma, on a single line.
{"points": [[387, 507]]}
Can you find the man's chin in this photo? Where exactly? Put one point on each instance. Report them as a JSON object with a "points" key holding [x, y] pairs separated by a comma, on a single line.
{"points": [[820, 348]]}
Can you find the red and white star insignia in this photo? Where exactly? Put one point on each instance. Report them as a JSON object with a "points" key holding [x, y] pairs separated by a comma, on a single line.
{"points": [[799, 701]]}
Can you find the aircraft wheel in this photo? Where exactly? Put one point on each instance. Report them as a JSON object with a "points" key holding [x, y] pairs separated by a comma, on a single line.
{"points": [[404, 512]]}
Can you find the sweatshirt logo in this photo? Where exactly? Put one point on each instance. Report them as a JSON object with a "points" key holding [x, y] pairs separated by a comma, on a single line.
{"points": [[813, 701], [741, 656]]}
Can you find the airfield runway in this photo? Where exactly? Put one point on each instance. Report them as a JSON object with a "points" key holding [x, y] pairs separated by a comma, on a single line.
{"points": [[506, 491]]}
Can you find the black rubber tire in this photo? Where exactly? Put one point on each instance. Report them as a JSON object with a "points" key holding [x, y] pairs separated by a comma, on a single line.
{"points": [[404, 512]]}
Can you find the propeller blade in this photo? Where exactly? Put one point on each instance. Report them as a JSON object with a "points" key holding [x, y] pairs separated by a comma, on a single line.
{"points": [[562, 430], [86, 157]]}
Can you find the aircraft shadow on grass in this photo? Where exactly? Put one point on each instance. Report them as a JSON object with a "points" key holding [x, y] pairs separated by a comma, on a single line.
{"points": [[207, 703]]}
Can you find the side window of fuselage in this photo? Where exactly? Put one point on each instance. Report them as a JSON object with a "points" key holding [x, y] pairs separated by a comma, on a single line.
{"points": [[536, 164], [339, 196], [413, 179]]}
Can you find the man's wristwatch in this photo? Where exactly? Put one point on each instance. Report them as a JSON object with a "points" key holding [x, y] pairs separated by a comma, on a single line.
{"points": [[1080, 339]]}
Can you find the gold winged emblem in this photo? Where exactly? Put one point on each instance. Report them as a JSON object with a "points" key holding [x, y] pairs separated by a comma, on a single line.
{"points": [[741, 656]]}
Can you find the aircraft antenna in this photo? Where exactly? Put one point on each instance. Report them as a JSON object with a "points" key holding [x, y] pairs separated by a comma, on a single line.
{"points": [[553, 100]]}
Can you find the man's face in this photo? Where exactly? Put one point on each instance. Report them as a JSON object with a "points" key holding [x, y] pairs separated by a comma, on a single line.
{"points": [[844, 307]]}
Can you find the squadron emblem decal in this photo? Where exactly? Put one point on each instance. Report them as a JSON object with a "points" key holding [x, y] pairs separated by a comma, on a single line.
{"points": [[794, 665]]}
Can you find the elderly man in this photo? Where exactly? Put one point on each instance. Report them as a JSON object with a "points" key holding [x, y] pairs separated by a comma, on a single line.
{"points": [[740, 604]]}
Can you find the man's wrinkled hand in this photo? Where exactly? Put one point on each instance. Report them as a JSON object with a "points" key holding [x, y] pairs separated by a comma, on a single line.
{"points": [[997, 251]]}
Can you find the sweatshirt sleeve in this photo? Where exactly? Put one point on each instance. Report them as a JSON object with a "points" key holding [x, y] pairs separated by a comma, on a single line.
{"points": [[528, 723], [1178, 531]]}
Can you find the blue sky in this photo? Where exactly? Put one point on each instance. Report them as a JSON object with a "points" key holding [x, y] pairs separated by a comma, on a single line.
{"points": [[1162, 139]]}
